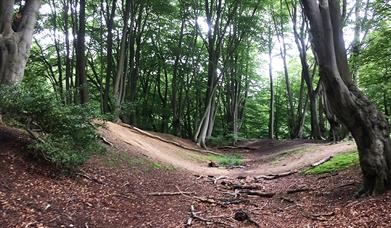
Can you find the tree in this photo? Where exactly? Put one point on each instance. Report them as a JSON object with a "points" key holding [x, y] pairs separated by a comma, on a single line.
{"points": [[366, 123], [16, 34], [81, 56]]}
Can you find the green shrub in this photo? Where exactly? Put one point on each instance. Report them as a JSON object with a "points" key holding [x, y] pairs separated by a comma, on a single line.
{"points": [[337, 163], [227, 160], [67, 138], [224, 140]]}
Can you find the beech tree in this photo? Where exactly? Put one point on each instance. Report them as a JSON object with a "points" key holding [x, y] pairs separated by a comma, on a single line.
{"points": [[366, 123], [16, 34]]}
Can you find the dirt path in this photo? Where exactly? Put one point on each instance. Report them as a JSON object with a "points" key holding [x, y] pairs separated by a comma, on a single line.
{"points": [[35, 194], [160, 151], [265, 160]]}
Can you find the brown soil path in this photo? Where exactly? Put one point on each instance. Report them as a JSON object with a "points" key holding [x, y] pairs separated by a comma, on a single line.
{"points": [[263, 160], [34, 194]]}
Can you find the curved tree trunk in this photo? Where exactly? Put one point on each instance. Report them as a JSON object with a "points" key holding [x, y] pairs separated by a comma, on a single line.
{"points": [[15, 39], [366, 123]]}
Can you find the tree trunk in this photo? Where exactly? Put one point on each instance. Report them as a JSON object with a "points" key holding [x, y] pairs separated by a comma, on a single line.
{"points": [[272, 101], [15, 44], [109, 58], [81, 56], [366, 123]]}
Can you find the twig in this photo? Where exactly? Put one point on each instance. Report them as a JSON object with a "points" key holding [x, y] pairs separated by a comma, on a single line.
{"points": [[89, 178], [250, 187], [169, 193], [275, 176]]}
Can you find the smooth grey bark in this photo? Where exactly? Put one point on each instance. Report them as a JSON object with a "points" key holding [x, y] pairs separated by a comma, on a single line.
{"points": [[110, 12], [120, 79], [279, 29], [215, 12], [300, 40], [81, 55], [366, 123], [272, 100], [15, 43]]}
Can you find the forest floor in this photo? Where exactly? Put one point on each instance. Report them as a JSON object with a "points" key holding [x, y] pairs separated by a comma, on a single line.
{"points": [[121, 188]]}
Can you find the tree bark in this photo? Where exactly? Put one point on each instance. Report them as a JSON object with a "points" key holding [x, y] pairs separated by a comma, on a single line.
{"points": [[81, 55], [366, 123], [272, 100], [15, 45]]}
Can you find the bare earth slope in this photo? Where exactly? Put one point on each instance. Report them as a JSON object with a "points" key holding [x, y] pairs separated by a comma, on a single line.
{"points": [[114, 192], [266, 161]]}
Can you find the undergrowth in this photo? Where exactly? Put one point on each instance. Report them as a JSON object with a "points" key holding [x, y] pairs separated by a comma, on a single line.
{"points": [[337, 163], [227, 160], [64, 134]]}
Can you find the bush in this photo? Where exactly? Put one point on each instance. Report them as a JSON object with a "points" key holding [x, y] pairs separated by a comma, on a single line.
{"points": [[227, 160], [67, 138]]}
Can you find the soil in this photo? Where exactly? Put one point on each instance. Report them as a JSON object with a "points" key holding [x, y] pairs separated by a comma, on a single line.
{"points": [[261, 156], [35, 194]]}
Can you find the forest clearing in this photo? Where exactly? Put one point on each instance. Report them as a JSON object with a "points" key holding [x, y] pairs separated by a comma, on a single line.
{"points": [[195, 113]]}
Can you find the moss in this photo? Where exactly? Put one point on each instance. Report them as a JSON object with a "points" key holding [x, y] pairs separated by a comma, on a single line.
{"points": [[227, 160], [337, 163]]}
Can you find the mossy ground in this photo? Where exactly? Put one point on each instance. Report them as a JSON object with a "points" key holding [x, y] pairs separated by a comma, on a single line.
{"points": [[336, 163]]}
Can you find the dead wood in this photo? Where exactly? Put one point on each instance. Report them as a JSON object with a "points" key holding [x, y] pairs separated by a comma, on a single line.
{"points": [[296, 190], [275, 176], [331, 213], [322, 161], [289, 200], [208, 200], [170, 193], [168, 141], [258, 193], [89, 178], [123, 196], [219, 178], [346, 185], [234, 201], [194, 216], [250, 187]]}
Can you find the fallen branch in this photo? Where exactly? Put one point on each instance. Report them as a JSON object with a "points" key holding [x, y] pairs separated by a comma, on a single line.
{"points": [[289, 200], [250, 187], [258, 193], [168, 141], [208, 200], [296, 190], [322, 161], [170, 193], [275, 176], [89, 178], [219, 178]]}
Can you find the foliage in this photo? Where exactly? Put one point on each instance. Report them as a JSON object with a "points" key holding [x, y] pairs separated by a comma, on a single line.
{"points": [[68, 136], [227, 160], [336, 163]]}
